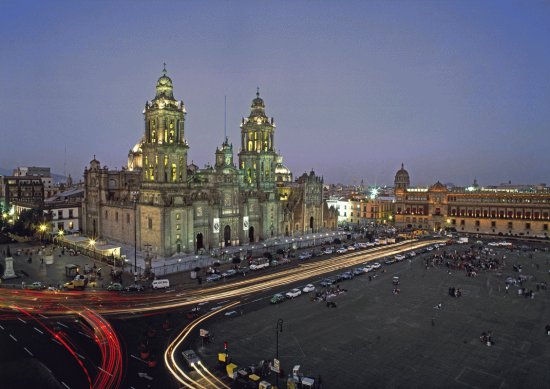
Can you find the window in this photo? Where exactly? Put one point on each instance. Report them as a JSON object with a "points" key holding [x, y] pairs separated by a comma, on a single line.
{"points": [[106, 215], [178, 227], [493, 224], [510, 225], [116, 217], [462, 222], [127, 218], [150, 223], [545, 227], [60, 214], [477, 223], [527, 226], [178, 216], [71, 213], [453, 222]]}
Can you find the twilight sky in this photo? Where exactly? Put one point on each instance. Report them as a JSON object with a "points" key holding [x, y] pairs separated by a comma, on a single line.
{"points": [[454, 89]]}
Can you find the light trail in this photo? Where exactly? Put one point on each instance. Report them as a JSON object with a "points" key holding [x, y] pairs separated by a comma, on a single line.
{"points": [[107, 303], [170, 352]]}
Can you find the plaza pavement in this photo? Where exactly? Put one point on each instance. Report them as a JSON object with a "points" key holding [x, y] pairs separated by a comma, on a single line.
{"points": [[375, 339]]}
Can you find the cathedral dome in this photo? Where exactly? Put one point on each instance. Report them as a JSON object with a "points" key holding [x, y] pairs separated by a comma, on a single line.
{"points": [[165, 87], [258, 106], [402, 179]]}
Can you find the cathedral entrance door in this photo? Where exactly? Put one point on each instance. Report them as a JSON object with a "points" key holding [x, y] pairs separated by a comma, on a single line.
{"points": [[200, 242], [251, 234], [227, 236], [311, 223]]}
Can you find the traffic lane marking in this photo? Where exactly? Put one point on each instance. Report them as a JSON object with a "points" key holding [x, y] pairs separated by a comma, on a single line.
{"points": [[13, 337]]}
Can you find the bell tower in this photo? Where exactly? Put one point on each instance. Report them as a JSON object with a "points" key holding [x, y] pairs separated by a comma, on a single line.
{"points": [[164, 158], [257, 156]]}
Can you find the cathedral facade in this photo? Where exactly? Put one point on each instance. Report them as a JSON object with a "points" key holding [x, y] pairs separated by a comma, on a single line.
{"points": [[169, 206]]}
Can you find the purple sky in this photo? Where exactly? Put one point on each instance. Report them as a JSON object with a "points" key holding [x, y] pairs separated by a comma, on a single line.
{"points": [[454, 89]]}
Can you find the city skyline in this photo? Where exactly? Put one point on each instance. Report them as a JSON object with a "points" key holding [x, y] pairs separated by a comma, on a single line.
{"points": [[454, 90]]}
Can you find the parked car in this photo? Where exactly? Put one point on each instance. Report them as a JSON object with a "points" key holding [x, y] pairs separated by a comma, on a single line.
{"points": [[347, 275], [36, 286], [229, 273], [308, 288], [305, 255], [160, 284], [389, 261], [243, 270], [277, 298], [134, 288], [293, 293], [358, 271], [213, 277], [327, 282], [328, 251], [399, 257], [342, 250], [190, 357], [395, 280], [376, 265], [351, 248], [115, 287]]}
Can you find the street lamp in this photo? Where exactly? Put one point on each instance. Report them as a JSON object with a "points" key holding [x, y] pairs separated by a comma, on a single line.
{"points": [[42, 230], [135, 197], [92, 245], [278, 329]]}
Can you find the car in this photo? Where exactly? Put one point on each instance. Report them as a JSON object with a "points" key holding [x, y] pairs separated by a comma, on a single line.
{"points": [[134, 288], [363, 245], [347, 275], [358, 271], [190, 357], [36, 286], [399, 257], [277, 298], [115, 287], [213, 277], [341, 250], [376, 265], [305, 255], [308, 288], [328, 251], [368, 268], [327, 282], [293, 293], [412, 254], [283, 261], [351, 248], [243, 270], [389, 261], [395, 280], [229, 273], [274, 262], [429, 248]]}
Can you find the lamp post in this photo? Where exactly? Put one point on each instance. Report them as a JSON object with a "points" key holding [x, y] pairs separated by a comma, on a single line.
{"points": [[135, 197], [92, 245], [278, 329], [42, 229]]}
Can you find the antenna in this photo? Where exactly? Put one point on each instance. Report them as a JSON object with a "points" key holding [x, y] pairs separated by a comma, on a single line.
{"points": [[224, 118], [65, 162]]}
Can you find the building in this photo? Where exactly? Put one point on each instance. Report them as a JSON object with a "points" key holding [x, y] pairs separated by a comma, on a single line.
{"points": [[178, 207], [27, 190], [517, 211], [45, 175]]}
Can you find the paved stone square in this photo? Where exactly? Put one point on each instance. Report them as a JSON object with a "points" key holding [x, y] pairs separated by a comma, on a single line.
{"points": [[377, 339]]}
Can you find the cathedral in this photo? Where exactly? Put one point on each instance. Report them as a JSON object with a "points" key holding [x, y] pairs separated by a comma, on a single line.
{"points": [[169, 206]]}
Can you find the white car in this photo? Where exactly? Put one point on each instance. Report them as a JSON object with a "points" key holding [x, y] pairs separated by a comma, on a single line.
{"points": [[341, 250], [368, 268], [351, 248], [376, 265], [412, 253], [363, 245], [293, 293], [327, 251], [399, 257], [308, 288]]}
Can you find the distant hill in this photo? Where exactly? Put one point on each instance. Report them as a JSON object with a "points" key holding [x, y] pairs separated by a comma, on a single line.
{"points": [[56, 178]]}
